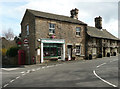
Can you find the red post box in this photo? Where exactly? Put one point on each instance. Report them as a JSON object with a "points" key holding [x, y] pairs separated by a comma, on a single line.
{"points": [[21, 57]]}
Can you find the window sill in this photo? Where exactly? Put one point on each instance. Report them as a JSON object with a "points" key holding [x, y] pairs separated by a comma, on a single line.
{"points": [[78, 36], [94, 54], [77, 54], [82, 55], [51, 34]]}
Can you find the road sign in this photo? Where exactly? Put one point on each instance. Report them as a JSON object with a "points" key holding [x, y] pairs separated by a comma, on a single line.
{"points": [[25, 41]]}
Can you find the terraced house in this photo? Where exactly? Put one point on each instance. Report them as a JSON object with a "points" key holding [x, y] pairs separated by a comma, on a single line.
{"points": [[58, 37], [101, 43]]}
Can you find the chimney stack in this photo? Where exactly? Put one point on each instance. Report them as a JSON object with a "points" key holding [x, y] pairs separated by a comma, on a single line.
{"points": [[74, 13], [98, 22]]}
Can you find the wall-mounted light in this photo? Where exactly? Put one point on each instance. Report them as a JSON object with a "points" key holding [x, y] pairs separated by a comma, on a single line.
{"points": [[38, 40]]}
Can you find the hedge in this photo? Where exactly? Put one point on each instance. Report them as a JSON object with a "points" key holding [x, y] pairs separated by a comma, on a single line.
{"points": [[12, 52]]}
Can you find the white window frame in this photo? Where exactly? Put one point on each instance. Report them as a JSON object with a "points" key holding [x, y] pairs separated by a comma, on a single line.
{"points": [[51, 29], [78, 31], [78, 50], [27, 30]]}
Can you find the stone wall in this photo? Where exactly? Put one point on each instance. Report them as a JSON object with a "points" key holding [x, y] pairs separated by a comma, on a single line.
{"points": [[103, 46], [30, 52], [63, 30]]}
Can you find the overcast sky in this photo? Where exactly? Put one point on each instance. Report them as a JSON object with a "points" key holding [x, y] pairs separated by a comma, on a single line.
{"points": [[12, 11]]}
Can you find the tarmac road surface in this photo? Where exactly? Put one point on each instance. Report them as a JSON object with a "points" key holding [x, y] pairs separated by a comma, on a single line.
{"points": [[100, 72]]}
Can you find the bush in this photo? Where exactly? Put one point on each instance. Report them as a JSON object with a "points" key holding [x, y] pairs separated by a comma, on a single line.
{"points": [[12, 52], [108, 54], [3, 51]]}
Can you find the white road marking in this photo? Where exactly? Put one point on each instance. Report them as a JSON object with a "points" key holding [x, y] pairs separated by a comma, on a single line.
{"points": [[43, 67], [49, 66], [33, 69], [22, 72], [37, 68], [9, 69], [101, 65], [28, 71], [103, 79], [6, 85], [17, 77], [12, 81]]}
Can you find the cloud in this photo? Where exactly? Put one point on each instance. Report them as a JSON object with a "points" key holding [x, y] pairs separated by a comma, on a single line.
{"points": [[112, 26], [88, 10]]}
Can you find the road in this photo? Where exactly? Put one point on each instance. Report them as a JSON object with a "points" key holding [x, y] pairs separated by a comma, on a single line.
{"points": [[100, 72]]}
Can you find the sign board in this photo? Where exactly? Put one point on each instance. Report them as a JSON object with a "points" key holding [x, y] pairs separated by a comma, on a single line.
{"points": [[52, 41], [19, 43], [38, 51], [25, 44], [25, 41]]}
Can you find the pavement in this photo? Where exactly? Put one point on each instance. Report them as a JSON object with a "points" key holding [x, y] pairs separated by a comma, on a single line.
{"points": [[100, 72]]}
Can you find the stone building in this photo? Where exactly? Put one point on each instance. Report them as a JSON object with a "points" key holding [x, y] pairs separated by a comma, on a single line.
{"points": [[52, 36], [58, 37], [100, 42]]}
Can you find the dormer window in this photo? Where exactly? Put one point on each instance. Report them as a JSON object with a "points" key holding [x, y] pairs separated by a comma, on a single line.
{"points": [[51, 28], [78, 29]]}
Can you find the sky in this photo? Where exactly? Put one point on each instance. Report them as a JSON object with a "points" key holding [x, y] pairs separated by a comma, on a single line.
{"points": [[12, 12]]}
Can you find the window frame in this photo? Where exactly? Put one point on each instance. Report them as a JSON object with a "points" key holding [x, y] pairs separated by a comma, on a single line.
{"points": [[51, 28], [78, 53], [27, 29], [94, 51], [79, 32]]}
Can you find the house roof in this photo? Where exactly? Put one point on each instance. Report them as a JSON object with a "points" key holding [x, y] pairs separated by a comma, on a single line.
{"points": [[103, 33], [55, 17]]}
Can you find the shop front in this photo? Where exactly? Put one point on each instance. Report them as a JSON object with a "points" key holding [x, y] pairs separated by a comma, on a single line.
{"points": [[52, 49]]}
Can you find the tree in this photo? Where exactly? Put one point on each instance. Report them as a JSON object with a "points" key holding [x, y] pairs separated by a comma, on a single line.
{"points": [[9, 35], [12, 52], [17, 38]]}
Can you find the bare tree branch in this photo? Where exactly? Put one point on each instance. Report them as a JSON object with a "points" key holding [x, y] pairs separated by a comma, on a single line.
{"points": [[9, 35]]}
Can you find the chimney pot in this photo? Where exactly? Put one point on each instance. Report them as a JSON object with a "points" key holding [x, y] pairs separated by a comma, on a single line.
{"points": [[74, 13], [98, 22]]}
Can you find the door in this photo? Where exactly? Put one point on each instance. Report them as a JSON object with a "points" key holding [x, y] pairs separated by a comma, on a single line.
{"points": [[69, 47], [103, 51]]}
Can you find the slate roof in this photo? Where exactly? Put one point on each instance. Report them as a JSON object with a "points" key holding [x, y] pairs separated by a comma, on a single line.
{"points": [[55, 17], [103, 33]]}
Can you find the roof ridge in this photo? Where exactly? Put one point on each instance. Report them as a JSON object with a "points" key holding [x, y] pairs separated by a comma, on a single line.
{"points": [[55, 16], [94, 32], [109, 33], [47, 13]]}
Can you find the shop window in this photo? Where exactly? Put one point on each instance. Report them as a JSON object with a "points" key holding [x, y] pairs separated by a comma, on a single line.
{"points": [[78, 29], [52, 50], [51, 28], [78, 50]]}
